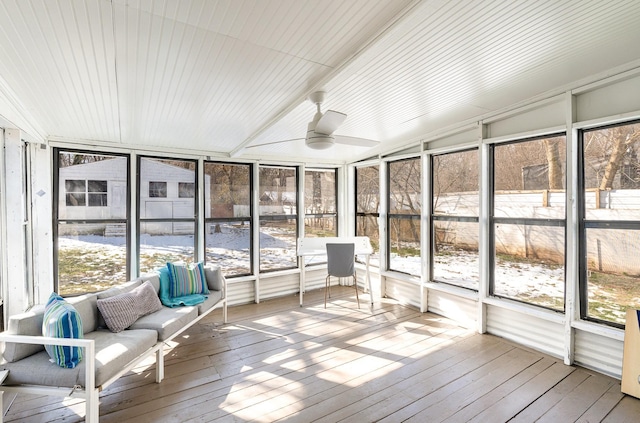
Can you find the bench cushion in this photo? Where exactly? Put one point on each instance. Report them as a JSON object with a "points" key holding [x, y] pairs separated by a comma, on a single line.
{"points": [[214, 277], [28, 323], [166, 321], [214, 297], [113, 352]]}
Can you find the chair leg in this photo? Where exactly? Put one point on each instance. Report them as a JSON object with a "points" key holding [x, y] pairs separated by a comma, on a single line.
{"points": [[327, 284], [355, 285]]}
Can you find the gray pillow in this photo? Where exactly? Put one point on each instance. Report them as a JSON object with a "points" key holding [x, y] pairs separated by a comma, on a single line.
{"points": [[121, 311]]}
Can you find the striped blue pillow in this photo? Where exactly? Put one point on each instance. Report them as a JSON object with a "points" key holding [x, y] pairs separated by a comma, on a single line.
{"points": [[187, 280], [61, 320]]}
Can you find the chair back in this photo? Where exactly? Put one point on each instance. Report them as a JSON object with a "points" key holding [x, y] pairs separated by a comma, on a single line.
{"points": [[341, 259]]}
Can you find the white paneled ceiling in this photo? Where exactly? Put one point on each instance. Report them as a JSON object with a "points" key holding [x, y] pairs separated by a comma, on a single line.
{"points": [[220, 77]]}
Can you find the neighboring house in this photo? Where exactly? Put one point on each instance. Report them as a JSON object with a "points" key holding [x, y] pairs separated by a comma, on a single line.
{"points": [[98, 191]]}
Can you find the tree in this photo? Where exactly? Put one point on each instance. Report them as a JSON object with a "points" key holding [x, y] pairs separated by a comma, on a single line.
{"points": [[555, 165], [620, 138]]}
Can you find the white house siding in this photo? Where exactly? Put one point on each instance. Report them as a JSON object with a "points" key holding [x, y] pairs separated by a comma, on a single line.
{"points": [[113, 171]]}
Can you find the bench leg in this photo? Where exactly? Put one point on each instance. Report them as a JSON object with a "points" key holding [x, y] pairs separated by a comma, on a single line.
{"points": [[224, 312], [159, 364], [93, 404]]}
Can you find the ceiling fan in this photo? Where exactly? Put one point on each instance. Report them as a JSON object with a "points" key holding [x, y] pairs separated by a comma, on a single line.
{"points": [[320, 130]]}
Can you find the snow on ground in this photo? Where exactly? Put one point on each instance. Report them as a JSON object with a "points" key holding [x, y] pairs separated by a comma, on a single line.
{"points": [[230, 249]]}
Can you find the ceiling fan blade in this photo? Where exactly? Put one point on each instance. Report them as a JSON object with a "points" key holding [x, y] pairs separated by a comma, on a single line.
{"points": [[360, 142], [329, 122], [274, 142]]}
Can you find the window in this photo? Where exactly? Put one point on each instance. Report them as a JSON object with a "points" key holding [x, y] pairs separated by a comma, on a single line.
{"points": [[610, 222], [320, 200], [528, 221], [76, 193], [186, 190], [278, 193], [320, 206], [97, 193], [167, 221], [91, 233], [368, 207], [454, 218], [405, 205], [157, 189], [228, 221]]}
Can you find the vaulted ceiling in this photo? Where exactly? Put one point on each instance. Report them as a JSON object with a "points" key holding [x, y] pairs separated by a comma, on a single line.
{"points": [[219, 77]]}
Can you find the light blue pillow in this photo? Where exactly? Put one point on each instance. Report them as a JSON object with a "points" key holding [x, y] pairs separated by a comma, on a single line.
{"points": [[61, 320]]}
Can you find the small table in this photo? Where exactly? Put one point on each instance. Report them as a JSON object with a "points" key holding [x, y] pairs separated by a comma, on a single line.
{"points": [[318, 246]]}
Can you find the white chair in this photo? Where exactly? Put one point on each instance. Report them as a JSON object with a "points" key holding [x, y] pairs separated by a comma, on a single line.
{"points": [[341, 264]]}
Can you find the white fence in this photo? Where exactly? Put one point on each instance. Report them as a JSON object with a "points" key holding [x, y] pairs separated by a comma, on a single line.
{"points": [[608, 250]]}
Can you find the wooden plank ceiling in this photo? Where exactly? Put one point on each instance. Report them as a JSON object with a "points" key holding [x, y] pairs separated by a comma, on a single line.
{"points": [[218, 76]]}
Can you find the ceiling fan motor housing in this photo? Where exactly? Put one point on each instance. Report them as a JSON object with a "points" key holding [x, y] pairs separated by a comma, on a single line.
{"points": [[319, 141]]}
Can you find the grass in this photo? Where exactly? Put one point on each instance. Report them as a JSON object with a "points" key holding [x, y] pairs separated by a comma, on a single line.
{"points": [[81, 271]]}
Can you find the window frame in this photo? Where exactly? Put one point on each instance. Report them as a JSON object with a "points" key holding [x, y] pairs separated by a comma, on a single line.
{"points": [[250, 218], [279, 217], [493, 221], [335, 190], [400, 216], [139, 220], [448, 218], [584, 224], [375, 216], [56, 211]]}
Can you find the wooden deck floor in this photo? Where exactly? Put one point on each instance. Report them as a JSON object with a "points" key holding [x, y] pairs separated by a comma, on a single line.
{"points": [[275, 361]]}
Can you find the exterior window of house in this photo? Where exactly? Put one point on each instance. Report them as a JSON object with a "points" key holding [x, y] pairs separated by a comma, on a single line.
{"points": [[609, 222], [528, 221], [186, 190], [97, 193], [157, 189], [167, 222], [454, 218], [368, 207], [76, 192], [405, 206], [278, 193], [96, 234], [228, 220]]}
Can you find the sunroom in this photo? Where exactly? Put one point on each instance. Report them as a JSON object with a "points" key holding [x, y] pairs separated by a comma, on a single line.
{"points": [[490, 152]]}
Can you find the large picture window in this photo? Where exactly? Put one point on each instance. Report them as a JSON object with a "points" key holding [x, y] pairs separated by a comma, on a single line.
{"points": [[278, 217], [528, 221], [228, 219], [167, 220], [405, 205], [91, 209], [454, 218], [368, 207], [610, 222]]}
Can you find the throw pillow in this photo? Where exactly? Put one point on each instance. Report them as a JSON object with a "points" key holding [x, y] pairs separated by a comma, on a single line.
{"points": [[121, 311], [187, 280], [61, 320]]}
